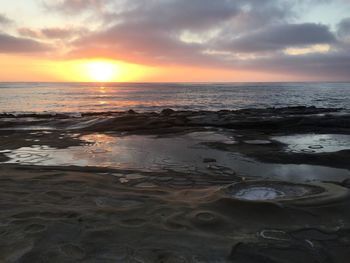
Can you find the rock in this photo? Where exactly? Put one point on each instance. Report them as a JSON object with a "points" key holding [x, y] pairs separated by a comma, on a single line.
{"points": [[258, 142], [146, 185], [131, 111], [123, 180], [167, 112], [346, 183], [134, 176], [313, 234], [209, 160]]}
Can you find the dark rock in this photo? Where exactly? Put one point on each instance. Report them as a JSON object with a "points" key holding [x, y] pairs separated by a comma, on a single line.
{"points": [[131, 111], [167, 112], [313, 234], [346, 183], [276, 253], [209, 160]]}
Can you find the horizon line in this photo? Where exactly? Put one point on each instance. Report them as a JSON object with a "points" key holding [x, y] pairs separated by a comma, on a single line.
{"points": [[179, 82]]}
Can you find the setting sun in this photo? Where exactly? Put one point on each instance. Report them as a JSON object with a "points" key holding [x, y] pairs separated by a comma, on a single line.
{"points": [[102, 71], [99, 71]]}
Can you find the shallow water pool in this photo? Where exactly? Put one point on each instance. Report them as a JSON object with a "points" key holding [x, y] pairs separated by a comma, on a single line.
{"points": [[183, 153], [315, 143]]}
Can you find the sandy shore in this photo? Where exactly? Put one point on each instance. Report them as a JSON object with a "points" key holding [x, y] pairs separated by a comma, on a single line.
{"points": [[214, 213]]}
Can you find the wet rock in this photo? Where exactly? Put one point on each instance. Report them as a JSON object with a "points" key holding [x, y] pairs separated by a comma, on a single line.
{"points": [[116, 174], [258, 142], [167, 112], [205, 218], [73, 251], [209, 160], [164, 178], [3, 158], [275, 253], [134, 176], [146, 185], [123, 180], [313, 234], [131, 111], [214, 167], [181, 182], [315, 147], [346, 183]]}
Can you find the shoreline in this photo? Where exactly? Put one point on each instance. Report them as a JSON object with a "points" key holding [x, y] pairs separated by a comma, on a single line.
{"points": [[176, 186]]}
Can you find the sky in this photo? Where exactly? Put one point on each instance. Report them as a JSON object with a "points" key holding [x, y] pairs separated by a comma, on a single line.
{"points": [[175, 40]]}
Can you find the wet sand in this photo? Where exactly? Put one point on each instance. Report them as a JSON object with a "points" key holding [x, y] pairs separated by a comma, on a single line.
{"points": [[176, 187]]}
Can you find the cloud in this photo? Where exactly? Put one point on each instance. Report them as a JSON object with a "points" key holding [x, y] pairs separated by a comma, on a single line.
{"points": [[197, 15], [282, 36], [135, 44], [74, 6], [184, 31], [28, 32], [333, 66], [58, 33], [52, 33], [153, 31], [182, 14], [344, 28], [11, 44], [259, 35], [4, 20]]}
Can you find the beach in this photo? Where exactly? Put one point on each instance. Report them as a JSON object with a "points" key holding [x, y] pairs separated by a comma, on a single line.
{"points": [[174, 131], [251, 185]]}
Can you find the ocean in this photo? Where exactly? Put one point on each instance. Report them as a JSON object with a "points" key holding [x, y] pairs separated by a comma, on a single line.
{"points": [[97, 97]]}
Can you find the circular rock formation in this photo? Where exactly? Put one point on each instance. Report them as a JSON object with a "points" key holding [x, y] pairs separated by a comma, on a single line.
{"points": [[286, 192]]}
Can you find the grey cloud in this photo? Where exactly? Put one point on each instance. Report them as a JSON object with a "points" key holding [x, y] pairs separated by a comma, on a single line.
{"points": [[52, 33], [4, 20], [148, 32], [136, 44], [151, 29], [278, 37], [57, 33], [327, 67], [344, 27], [11, 44], [74, 6], [28, 32], [202, 14], [182, 14]]}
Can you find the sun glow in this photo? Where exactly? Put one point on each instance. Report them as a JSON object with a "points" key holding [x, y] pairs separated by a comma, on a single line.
{"points": [[102, 71]]}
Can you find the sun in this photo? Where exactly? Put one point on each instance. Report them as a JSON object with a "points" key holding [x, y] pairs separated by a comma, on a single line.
{"points": [[102, 71]]}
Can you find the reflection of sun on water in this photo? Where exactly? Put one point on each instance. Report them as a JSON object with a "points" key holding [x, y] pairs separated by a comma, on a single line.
{"points": [[102, 95], [102, 92]]}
